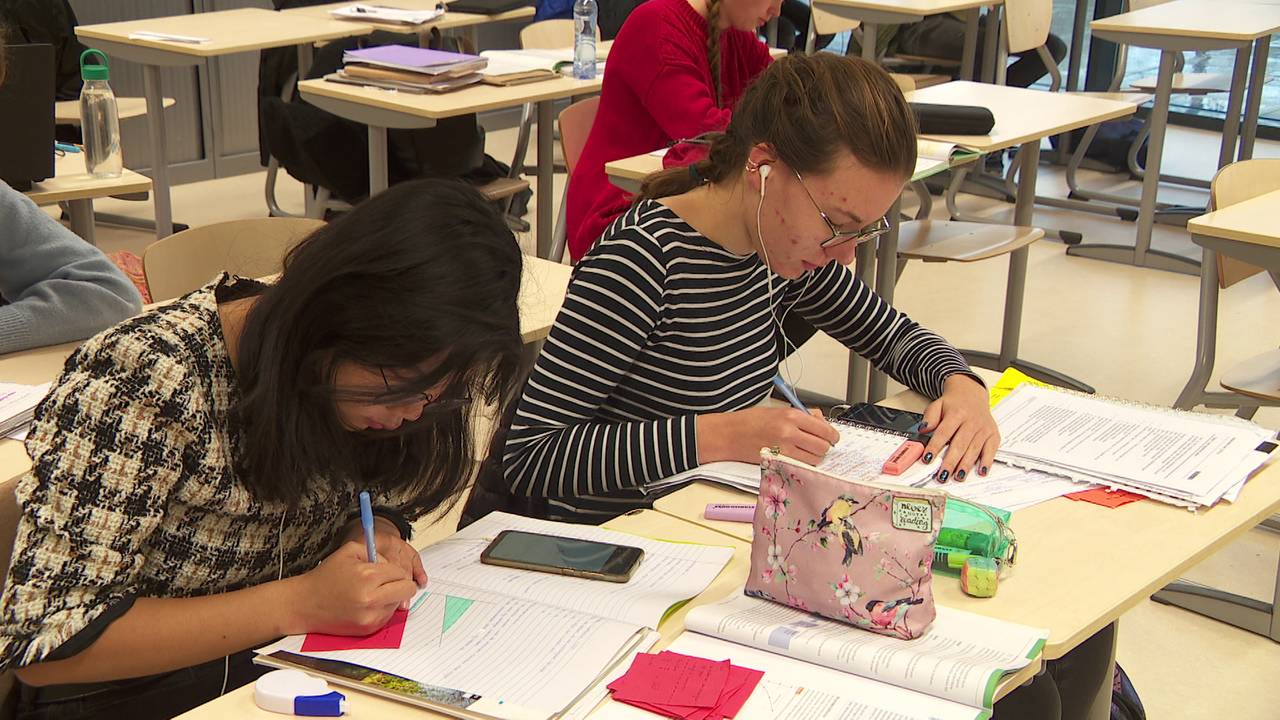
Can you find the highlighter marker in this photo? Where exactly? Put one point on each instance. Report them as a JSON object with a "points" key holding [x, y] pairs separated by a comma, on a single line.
{"points": [[733, 512], [902, 458]]}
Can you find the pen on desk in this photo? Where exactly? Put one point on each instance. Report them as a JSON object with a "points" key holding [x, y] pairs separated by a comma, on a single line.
{"points": [[366, 520]]}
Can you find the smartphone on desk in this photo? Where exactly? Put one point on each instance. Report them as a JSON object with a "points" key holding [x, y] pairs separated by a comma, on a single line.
{"points": [[563, 556], [880, 417]]}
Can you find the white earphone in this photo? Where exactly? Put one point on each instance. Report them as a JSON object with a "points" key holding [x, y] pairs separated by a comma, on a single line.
{"points": [[764, 176]]}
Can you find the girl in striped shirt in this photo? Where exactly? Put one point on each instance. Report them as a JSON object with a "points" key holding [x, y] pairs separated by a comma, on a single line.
{"points": [[670, 334]]}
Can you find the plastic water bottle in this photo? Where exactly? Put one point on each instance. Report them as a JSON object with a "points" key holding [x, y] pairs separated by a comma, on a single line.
{"points": [[584, 39], [99, 119]]}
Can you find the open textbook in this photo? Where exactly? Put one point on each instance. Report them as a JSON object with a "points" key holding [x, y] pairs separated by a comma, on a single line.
{"points": [[817, 669], [483, 641], [938, 150]]}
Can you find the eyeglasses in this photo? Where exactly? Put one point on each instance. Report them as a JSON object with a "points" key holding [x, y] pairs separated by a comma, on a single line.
{"points": [[840, 237], [432, 404]]}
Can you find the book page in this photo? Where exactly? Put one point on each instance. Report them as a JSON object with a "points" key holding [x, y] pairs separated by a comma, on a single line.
{"points": [[934, 149], [795, 690], [506, 650], [670, 573], [961, 658]]}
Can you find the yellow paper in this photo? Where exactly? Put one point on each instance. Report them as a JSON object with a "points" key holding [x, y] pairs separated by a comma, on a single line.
{"points": [[1010, 379]]}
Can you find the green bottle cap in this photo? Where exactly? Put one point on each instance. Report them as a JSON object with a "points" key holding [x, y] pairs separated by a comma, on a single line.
{"points": [[94, 72]]}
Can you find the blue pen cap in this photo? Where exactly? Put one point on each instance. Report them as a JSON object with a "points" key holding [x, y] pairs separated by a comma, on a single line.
{"points": [[332, 704]]}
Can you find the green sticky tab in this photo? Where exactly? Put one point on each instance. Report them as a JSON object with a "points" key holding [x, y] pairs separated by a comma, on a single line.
{"points": [[454, 609]]}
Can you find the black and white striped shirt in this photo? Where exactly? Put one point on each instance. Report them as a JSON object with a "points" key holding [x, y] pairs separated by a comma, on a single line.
{"points": [[661, 324]]}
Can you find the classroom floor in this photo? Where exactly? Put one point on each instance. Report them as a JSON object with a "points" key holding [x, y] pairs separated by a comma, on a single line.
{"points": [[1129, 332]]}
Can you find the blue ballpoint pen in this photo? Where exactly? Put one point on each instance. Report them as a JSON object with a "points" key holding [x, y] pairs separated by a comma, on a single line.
{"points": [[788, 393], [366, 520]]}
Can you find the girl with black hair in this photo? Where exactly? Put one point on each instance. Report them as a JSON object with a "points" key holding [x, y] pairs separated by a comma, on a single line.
{"points": [[196, 469]]}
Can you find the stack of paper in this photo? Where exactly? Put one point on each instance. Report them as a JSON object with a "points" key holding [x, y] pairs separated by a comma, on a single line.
{"points": [[685, 687], [409, 69], [1183, 458], [386, 14], [18, 406]]}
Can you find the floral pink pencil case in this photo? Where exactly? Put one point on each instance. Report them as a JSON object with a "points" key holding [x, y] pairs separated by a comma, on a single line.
{"points": [[856, 552]]}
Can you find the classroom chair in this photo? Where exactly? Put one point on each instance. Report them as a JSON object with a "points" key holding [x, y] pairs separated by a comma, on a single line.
{"points": [[1254, 382], [824, 22], [1195, 84], [253, 248], [541, 35], [575, 126]]}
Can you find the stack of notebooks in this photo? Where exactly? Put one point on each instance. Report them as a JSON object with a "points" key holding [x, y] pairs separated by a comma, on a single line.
{"points": [[1182, 458], [409, 69]]}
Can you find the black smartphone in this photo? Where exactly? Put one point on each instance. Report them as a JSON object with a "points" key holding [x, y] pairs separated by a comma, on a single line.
{"points": [[563, 556], [902, 422]]}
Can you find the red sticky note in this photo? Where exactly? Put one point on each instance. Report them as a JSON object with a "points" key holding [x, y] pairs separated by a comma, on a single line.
{"points": [[672, 679], [388, 638], [1107, 498], [743, 681]]}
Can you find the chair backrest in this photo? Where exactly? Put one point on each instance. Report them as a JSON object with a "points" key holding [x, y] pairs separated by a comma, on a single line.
{"points": [[905, 83], [575, 126], [549, 35], [1234, 184], [1027, 23], [183, 262]]}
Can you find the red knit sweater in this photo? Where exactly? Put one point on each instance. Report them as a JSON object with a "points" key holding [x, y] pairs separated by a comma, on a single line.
{"points": [[657, 89]]}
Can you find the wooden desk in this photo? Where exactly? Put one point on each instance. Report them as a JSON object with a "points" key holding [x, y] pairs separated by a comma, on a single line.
{"points": [[381, 109], [1023, 117], [70, 184], [450, 21], [1172, 28], [229, 31], [1080, 566], [872, 13], [542, 290], [1247, 231]]}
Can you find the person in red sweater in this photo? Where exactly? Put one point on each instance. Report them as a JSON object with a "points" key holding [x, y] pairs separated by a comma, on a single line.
{"points": [[659, 89]]}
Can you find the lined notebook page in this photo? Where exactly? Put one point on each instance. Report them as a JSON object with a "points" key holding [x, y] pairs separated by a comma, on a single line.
{"points": [[501, 648]]}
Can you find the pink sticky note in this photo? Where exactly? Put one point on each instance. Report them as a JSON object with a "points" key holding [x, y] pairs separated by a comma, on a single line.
{"points": [[743, 681], [388, 638], [672, 679], [1107, 498]]}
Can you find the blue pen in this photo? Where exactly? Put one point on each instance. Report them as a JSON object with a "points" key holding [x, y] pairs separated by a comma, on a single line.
{"points": [[66, 147], [366, 519], [788, 393]]}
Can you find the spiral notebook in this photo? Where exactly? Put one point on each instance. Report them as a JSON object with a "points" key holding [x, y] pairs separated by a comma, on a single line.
{"points": [[1182, 458]]}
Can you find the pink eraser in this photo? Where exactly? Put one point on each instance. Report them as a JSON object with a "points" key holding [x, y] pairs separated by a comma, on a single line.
{"points": [[733, 512], [903, 457]]}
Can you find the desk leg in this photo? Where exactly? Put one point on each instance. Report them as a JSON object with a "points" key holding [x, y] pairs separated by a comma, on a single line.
{"points": [[546, 178], [1206, 334], [1231, 121], [377, 160], [1077, 45], [159, 158], [886, 279], [856, 386], [990, 43], [869, 41], [82, 224], [1023, 215], [771, 32], [305, 56], [811, 36], [1140, 253], [970, 43], [1256, 75]]}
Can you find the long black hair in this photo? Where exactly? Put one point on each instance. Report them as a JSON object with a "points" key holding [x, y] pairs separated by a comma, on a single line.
{"points": [[425, 272]]}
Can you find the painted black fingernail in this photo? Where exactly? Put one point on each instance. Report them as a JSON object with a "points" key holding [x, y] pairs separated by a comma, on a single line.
{"points": [[928, 458], [960, 475], [983, 470], [942, 476]]}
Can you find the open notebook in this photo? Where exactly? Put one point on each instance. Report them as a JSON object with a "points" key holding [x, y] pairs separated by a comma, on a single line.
{"points": [[490, 642], [817, 669]]}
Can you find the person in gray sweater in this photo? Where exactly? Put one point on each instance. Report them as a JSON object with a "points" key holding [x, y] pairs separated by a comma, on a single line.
{"points": [[54, 286]]}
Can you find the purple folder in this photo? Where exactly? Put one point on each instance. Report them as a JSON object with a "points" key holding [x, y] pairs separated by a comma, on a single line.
{"points": [[405, 57]]}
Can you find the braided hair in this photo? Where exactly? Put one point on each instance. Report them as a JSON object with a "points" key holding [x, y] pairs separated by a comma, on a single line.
{"points": [[713, 46]]}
